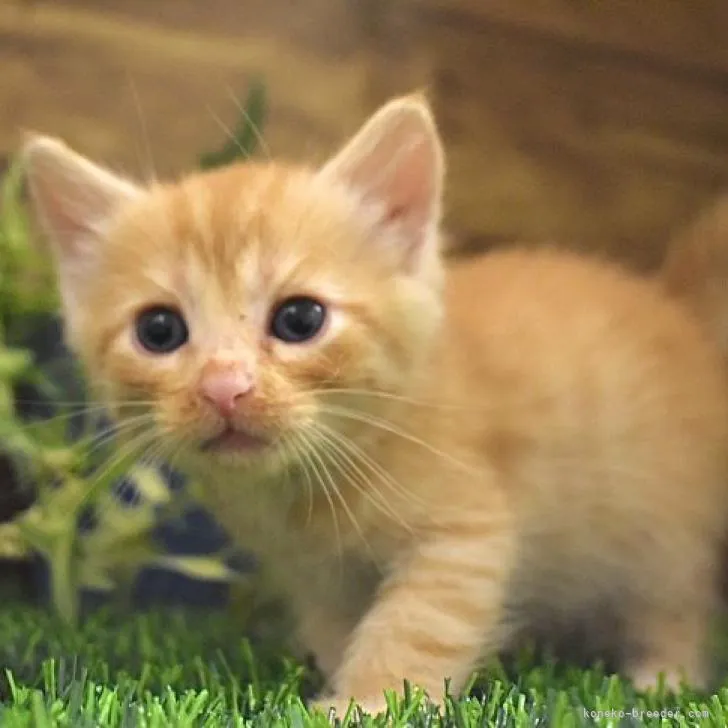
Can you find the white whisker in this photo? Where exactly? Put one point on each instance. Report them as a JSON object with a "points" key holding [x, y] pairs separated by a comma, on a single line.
{"points": [[258, 134], [393, 429], [298, 456], [329, 452], [150, 171], [366, 484], [310, 456]]}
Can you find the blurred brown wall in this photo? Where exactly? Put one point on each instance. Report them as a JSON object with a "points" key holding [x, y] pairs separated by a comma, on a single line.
{"points": [[601, 124]]}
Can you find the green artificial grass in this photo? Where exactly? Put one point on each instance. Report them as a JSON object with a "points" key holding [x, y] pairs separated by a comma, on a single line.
{"points": [[197, 669]]}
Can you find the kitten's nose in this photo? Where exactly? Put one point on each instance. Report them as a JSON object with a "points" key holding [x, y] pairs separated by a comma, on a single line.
{"points": [[224, 388]]}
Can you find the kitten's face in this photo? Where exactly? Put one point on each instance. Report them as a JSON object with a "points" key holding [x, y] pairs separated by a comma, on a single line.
{"points": [[237, 306]]}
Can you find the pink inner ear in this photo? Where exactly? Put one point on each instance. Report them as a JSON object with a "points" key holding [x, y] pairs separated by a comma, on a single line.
{"points": [[399, 176], [396, 162], [394, 213], [409, 197], [64, 220], [73, 197], [72, 211]]}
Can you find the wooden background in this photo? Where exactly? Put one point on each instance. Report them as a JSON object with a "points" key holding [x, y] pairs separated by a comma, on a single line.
{"points": [[599, 123]]}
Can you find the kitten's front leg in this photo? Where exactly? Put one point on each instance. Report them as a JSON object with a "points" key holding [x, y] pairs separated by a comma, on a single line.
{"points": [[328, 603], [324, 630], [438, 614]]}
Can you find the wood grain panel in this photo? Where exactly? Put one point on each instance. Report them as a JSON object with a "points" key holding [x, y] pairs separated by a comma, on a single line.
{"points": [[597, 124], [678, 34], [570, 141]]}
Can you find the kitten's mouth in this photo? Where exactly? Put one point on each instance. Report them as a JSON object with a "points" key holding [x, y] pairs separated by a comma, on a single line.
{"points": [[237, 441]]}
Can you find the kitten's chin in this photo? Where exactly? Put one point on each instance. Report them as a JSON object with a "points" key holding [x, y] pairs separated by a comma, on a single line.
{"points": [[235, 448], [232, 441]]}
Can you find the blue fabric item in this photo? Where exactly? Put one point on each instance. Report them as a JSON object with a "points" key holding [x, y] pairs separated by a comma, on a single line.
{"points": [[159, 586], [196, 532], [174, 478], [127, 493], [88, 520]]}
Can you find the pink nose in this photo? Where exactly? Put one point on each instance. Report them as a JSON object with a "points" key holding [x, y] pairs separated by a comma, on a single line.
{"points": [[224, 388]]}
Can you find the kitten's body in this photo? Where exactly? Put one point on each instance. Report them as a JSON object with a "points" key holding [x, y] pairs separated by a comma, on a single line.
{"points": [[546, 438], [614, 499]]}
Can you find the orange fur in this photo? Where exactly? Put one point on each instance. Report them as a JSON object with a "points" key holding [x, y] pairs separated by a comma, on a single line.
{"points": [[539, 435]]}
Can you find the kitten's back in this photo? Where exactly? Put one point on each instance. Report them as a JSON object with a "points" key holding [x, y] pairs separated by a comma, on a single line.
{"points": [[608, 411]]}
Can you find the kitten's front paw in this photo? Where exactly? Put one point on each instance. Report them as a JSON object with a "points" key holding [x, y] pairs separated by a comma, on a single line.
{"points": [[340, 706], [648, 679]]}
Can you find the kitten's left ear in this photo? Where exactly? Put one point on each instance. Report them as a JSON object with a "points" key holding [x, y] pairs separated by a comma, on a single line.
{"points": [[73, 198], [395, 163]]}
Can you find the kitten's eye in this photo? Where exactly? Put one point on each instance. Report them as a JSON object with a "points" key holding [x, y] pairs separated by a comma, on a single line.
{"points": [[161, 330], [297, 319]]}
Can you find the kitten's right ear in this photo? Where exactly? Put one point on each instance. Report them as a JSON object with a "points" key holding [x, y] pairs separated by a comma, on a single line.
{"points": [[73, 198], [395, 163]]}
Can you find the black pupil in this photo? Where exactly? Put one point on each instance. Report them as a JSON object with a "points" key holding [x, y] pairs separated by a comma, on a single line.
{"points": [[161, 330], [298, 319]]}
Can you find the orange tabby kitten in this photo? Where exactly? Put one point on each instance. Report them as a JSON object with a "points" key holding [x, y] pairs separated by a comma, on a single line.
{"points": [[427, 464]]}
